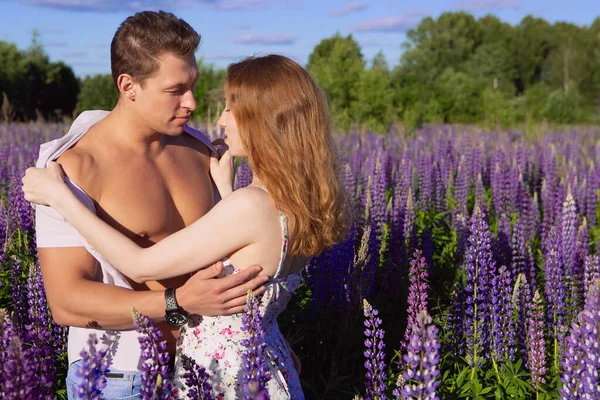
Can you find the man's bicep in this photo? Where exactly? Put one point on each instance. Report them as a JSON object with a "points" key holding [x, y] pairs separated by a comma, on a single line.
{"points": [[63, 270]]}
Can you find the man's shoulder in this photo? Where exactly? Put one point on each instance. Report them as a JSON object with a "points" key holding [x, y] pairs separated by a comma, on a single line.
{"points": [[79, 165]]}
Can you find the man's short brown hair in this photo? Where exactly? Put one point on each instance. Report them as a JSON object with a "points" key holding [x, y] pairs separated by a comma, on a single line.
{"points": [[143, 37]]}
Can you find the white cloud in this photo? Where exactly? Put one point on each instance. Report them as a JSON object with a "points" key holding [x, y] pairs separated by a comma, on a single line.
{"points": [[349, 8], [400, 23], [482, 5], [280, 39]]}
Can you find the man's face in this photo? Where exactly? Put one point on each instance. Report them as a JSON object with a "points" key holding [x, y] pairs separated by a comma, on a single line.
{"points": [[166, 100]]}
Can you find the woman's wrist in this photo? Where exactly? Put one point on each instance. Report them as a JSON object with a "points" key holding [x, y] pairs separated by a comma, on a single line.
{"points": [[225, 190]]}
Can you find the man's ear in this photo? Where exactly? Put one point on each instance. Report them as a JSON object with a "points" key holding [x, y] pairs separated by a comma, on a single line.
{"points": [[126, 86]]}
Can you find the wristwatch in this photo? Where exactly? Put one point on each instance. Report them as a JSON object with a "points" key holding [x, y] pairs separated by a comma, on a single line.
{"points": [[174, 314]]}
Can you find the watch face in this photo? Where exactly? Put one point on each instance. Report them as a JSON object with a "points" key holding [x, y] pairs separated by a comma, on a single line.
{"points": [[176, 319]]}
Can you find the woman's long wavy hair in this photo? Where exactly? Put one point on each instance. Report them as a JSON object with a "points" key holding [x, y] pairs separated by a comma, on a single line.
{"points": [[284, 124]]}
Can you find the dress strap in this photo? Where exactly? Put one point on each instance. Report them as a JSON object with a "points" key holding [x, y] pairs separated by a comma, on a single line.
{"points": [[284, 237]]}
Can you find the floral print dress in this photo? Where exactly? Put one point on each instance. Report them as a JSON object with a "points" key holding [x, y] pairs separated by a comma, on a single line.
{"points": [[215, 342]]}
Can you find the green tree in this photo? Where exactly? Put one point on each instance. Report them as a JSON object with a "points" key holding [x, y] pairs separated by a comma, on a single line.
{"points": [[373, 108], [337, 64], [533, 44], [209, 91], [98, 92]]}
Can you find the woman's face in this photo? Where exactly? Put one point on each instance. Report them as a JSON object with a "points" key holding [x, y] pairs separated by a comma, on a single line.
{"points": [[231, 133]]}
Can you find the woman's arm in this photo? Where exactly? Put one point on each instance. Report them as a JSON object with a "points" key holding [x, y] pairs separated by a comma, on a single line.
{"points": [[232, 224], [228, 227]]}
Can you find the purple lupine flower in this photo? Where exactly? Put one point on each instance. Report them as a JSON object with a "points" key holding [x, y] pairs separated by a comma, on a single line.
{"points": [[581, 359], [568, 233], [576, 277], [154, 359], [536, 345], [425, 182], [409, 222], [420, 375], [503, 326], [196, 379], [456, 322], [591, 272], [591, 200], [498, 186], [396, 219], [518, 247], [428, 249], [547, 212], [479, 266], [91, 374], [459, 222], [461, 188], [17, 370], [417, 293], [38, 333], [243, 175], [378, 201], [480, 196], [378, 212], [439, 187], [255, 372], [501, 245], [532, 218], [522, 300], [7, 332], [18, 293], [555, 289], [374, 354], [19, 373]]}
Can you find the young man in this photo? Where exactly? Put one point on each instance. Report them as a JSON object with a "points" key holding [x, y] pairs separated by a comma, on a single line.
{"points": [[142, 170]]}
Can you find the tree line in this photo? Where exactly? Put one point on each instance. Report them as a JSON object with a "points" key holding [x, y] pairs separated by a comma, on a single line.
{"points": [[454, 69]]}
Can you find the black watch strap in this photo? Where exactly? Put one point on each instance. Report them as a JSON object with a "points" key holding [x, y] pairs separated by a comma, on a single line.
{"points": [[170, 300]]}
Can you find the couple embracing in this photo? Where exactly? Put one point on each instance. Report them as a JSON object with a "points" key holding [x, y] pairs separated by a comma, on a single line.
{"points": [[137, 210]]}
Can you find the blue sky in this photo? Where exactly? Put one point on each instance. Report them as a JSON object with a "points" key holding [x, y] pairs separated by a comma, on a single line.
{"points": [[79, 32]]}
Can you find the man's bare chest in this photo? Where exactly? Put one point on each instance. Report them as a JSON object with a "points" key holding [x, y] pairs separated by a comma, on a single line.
{"points": [[150, 203]]}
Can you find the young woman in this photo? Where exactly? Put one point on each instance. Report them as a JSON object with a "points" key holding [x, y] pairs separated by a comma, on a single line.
{"points": [[277, 117]]}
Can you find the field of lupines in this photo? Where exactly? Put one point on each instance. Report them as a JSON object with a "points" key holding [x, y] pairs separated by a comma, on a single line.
{"points": [[470, 271]]}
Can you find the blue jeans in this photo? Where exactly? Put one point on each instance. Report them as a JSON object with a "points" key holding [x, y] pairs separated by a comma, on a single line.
{"points": [[120, 385]]}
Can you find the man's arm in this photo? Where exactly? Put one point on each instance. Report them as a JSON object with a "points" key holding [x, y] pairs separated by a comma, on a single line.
{"points": [[77, 299]]}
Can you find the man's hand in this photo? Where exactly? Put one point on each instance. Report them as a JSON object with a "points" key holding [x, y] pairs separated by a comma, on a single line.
{"points": [[205, 294]]}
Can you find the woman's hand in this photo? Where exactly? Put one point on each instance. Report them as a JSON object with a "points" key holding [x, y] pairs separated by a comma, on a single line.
{"points": [[221, 169], [44, 185]]}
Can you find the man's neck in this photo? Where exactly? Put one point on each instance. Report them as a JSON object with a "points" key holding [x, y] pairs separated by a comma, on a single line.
{"points": [[124, 129]]}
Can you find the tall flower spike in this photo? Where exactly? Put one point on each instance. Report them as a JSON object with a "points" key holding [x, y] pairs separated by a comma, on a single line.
{"points": [[420, 375], [536, 345], [374, 354], [581, 360], [154, 360], [591, 272], [417, 294], [7, 332], [555, 285], [255, 372], [503, 325], [197, 380], [479, 267], [92, 372], [38, 334]]}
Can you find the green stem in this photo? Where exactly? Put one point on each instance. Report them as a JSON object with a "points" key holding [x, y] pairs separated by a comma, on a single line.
{"points": [[496, 369]]}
